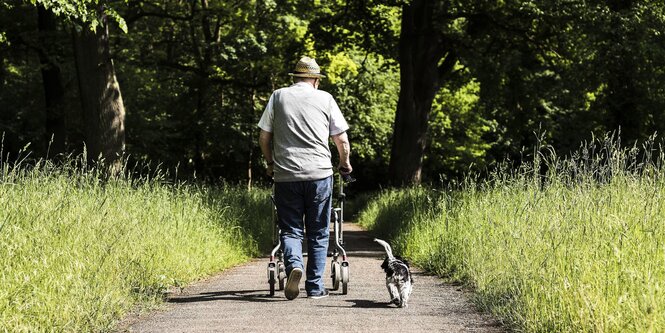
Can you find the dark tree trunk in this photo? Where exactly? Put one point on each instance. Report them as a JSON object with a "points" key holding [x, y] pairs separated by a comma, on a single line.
{"points": [[198, 124], [201, 83], [421, 49], [250, 136], [623, 95], [54, 92], [622, 103], [101, 101]]}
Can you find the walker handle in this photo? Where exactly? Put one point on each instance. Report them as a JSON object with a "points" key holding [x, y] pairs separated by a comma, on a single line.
{"points": [[346, 177]]}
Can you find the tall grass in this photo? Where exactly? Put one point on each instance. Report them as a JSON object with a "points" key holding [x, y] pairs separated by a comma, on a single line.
{"points": [[77, 253], [560, 245]]}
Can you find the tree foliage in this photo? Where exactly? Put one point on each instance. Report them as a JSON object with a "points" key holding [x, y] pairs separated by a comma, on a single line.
{"points": [[85, 13], [195, 76]]}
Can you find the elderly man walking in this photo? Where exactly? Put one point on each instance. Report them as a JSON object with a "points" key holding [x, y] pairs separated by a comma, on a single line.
{"points": [[296, 127]]}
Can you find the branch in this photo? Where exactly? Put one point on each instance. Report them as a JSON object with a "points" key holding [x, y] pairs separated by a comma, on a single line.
{"points": [[212, 79], [447, 66], [156, 11], [184, 68]]}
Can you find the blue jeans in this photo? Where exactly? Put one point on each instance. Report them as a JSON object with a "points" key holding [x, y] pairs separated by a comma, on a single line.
{"points": [[311, 200]]}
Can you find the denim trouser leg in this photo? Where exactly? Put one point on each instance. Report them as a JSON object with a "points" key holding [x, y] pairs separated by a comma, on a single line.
{"points": [[311, 200]]}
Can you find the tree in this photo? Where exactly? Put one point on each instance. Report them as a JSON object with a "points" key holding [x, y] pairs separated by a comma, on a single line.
{"points": [[630, 58], [101, 101], [468, 82], [426, 58], [54, 91], [21, 111], [567, 68], [199, 73]]}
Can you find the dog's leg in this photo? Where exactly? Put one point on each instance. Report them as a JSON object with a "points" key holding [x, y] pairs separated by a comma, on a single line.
{"points": [[393, 291], [404, 292]]}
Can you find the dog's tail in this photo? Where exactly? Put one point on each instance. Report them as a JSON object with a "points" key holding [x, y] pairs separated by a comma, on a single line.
{"points": [[389, 250]]}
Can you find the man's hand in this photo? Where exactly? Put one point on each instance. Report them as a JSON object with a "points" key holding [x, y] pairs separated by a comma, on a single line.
{"points": [[345, 168], [269, 170]]}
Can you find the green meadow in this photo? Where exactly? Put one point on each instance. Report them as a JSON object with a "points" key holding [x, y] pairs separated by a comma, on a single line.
{"points": [[572, 244], [77, 253], [554, 245]]}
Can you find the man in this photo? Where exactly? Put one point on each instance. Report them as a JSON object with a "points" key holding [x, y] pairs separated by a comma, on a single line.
{"points": [[296, 127]]}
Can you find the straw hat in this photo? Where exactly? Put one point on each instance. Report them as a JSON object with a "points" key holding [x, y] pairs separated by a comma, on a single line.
{"points": [[307, 67]]}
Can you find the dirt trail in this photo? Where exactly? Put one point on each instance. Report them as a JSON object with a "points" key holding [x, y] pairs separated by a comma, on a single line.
{"points": [[237, 301]]}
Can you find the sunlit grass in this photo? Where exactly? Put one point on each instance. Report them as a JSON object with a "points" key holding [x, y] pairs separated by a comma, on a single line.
{"points": [[77, 252], [576, 245]]}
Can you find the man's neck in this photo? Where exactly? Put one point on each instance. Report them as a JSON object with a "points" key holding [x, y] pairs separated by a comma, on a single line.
{"points": [[311, 83]]}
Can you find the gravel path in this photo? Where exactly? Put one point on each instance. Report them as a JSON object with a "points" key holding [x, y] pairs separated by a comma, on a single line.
{"points": [[237, 301]]}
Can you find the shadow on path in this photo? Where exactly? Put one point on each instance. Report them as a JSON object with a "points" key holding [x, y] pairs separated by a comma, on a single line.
{"points": [[237, 295]]}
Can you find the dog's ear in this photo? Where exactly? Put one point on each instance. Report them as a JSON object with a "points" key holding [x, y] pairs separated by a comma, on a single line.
{"points": [[386, 267]]}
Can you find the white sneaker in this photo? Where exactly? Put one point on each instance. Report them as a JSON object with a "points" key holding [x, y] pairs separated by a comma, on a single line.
{"points": [[292, 288]]}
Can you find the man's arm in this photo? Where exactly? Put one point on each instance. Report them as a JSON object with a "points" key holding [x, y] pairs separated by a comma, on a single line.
{"points": [[344, 149], [265, 139]]}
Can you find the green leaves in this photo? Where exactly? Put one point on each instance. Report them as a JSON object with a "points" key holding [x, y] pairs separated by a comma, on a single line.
{"points": [[196, 75], [83, 12], [457, 132]]}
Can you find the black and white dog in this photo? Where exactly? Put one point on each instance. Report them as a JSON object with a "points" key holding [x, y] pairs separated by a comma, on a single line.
{"points": [[398, 276]]}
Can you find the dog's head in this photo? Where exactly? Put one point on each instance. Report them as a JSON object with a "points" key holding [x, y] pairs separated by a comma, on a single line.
{"points": [[386, 266]]}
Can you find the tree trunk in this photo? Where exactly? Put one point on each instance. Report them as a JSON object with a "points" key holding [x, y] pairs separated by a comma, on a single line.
{"points": [[101, 101], [250, 136], [420, 51], [623, 95], [203, 55], [54, 92]]}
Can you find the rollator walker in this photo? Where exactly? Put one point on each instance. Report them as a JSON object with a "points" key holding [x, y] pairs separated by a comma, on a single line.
{"points": [[339, 268]]}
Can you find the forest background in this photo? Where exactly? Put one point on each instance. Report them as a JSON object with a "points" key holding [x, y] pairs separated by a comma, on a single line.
{"points": [[431, 89]]}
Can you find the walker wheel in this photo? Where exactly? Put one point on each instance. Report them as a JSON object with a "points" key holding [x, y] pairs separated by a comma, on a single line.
{"points": [[345, 278], [336, 275], [281, 276], [271, 280]]}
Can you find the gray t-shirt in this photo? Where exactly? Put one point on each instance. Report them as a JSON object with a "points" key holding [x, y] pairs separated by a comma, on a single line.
{"points": [[302, 119]]}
